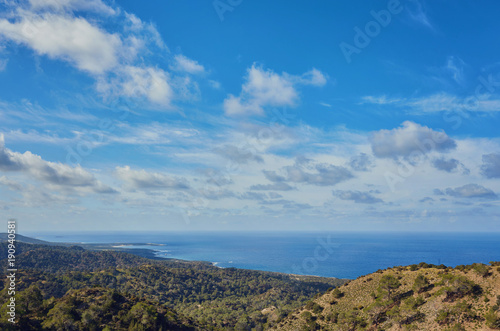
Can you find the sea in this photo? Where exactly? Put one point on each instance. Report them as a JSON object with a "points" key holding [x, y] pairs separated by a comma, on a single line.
{"points": [[326, 254]]}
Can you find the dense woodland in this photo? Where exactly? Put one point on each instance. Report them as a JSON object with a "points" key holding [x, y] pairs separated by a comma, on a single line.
{"points": [[76, 288]]}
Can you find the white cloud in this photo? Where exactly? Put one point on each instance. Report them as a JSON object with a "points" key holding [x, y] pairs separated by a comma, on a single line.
{"points": [[142, 179], [380, 100], [409, 139], [73, 39], [264, 88], [140, 82], [55, 174], [313, 77], [183, 63], [118, 60]]}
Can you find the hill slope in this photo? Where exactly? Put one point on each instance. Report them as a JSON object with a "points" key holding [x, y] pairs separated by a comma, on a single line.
{"points": [[423, 297]]}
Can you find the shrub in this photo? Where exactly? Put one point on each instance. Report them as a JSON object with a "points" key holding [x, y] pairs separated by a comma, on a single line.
{"points": [[458, 287], [337, 293], [482, 269], [444, 317]]}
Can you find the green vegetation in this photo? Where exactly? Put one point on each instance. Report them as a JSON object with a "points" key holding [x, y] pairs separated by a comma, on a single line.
{"points": [[421, 284], [387, 285], [51, 278]]}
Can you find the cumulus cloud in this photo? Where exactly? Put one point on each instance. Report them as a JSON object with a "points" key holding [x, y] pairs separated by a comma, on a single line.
{"points": [[491, 165], [264, 88], [55, 174], [183, 63], [408, 140], [143, 180], [471, 191], [357, 196]]}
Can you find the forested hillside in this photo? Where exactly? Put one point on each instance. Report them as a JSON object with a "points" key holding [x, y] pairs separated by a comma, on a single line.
{"points": [[193, 294]]}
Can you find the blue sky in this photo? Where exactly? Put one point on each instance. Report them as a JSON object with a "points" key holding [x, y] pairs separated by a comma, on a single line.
{"points": [[250, 115]]}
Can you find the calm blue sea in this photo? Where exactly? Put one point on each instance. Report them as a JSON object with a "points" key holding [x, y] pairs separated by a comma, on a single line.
{"points": [[340, 254]]}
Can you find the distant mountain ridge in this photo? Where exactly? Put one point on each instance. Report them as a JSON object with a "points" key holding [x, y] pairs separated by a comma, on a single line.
{"points": [[28, 240]]}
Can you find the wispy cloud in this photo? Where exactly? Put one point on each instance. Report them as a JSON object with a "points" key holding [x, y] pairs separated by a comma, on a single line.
{"points": [[418, 13], [440, 102], [183, 63]]}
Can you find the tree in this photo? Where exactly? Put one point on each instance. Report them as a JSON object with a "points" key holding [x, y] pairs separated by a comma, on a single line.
{"points": [[420, 284], [30, 299], [388, 283]]}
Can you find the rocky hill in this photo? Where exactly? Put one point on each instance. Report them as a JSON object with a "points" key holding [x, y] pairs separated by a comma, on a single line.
{"points": [[416, 297]]}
